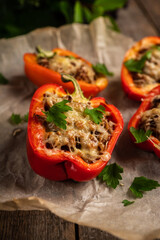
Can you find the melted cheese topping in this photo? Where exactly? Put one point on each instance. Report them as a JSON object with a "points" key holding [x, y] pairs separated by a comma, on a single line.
{"points": [[82, 136], [72, 66], [150, 119], [151, 70]]}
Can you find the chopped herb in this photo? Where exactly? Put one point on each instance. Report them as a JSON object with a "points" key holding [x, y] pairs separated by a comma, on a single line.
{"points": [[17, 118], [126, 202], [142, 184], [96, 114], [3, 80], [134, 65], [25, 117], [140, 135], [56, 114], [111, 175], [71, 57], [101, 68]]}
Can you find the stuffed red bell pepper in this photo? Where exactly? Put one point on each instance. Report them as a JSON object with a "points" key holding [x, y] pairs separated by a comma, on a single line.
{"points": [[141, 68], [146, 121], [47, 66], [69, 136]]}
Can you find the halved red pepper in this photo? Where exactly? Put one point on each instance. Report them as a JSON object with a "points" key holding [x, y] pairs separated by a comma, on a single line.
{"points": [[57, 164], [134, 92], [152, 143], [40, 75]]}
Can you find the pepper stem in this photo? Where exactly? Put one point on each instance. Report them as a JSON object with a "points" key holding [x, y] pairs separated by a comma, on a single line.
{"points": [[77, 90], [43, 53]]}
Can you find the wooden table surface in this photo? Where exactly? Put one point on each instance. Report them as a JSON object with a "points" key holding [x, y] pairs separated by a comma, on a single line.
{"points": [[140, 18]]}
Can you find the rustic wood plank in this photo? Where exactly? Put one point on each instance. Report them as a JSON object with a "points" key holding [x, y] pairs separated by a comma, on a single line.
{"points": [[152, 9], [34, 225], [86, 233], [134, 23]]}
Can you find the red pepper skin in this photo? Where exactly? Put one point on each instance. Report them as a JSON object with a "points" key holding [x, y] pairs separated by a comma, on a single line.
{"points": [[128, 85], [40, 75], [134, 122], [60, 165]]}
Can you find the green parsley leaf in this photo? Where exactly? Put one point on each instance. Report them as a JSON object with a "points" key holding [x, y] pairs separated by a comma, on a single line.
{"points": [[101, 68], [71, 57], [56, 114], [15, 118], [126, 202], [134, 65], [140, 135], [25, 117], [96, 114], [111, 175], [157, 47], [3, 80], [142, 184]]}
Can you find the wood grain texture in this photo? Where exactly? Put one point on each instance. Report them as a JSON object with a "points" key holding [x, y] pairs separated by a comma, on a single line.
{"points": [[152, 10], [86, 233], [134, 23], [34, 225]]}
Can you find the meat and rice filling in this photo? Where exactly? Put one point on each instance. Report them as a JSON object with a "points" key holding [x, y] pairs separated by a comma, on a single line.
{"points": [[82, 137], [150, 119], [69, 65], [151, 71]]}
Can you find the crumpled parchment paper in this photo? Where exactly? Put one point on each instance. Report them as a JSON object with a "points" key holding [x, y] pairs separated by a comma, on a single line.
{"points": [[90, 203]]}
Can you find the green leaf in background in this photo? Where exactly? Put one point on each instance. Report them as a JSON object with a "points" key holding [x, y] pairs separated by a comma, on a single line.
{"points": [[140, 135], [88, 16], [109, 5], [101, 68], [126, 202], [114, 25], [3, 80], [142, 184], [78, 12], [111, 175], [96, 114], [66, 9]]}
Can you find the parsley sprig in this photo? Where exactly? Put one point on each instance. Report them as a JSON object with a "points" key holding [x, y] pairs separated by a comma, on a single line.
{"points": [[142, 184], [96, 114], [56, 114], [111, 175], [134, 65], [140, 135], [101, 68], [17, 118], [127, 202]]}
